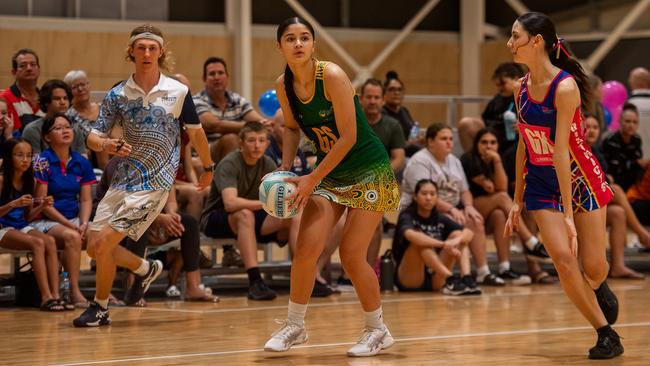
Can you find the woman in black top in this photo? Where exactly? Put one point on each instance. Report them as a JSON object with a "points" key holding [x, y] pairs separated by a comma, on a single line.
{"points": [[427, 244], [488, 183], [393, 99]]}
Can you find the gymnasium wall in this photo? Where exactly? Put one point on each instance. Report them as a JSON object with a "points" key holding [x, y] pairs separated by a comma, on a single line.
{"points": [[428, 62]]}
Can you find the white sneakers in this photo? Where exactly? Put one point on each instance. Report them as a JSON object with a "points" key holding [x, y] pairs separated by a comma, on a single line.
{"points": [[285, 337], [370, 343]]}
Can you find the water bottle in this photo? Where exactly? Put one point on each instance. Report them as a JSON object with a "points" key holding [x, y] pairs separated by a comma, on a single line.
{"points": [[415, 131], [387, 271], [65, 288], [509, 120]]}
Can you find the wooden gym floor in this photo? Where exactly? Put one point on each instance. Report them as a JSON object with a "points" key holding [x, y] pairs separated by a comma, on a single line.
{"points": [[530, 325]]}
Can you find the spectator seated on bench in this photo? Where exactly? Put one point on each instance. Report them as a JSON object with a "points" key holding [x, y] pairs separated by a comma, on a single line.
{"points": [[233, 209], [17, 207]]}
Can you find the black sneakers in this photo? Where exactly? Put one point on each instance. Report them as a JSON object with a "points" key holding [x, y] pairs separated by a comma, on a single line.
{"points": [[608, 302], [321, 290], [141, 284], [258, 290], [471, 288], [93, 316], [608, 345], [538, 253], [454, 286], [515, 278]]}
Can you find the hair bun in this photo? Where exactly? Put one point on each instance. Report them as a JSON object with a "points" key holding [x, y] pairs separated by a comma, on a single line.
{"points": [[391, 74]]}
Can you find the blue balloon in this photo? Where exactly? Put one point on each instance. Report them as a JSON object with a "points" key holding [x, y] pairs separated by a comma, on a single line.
{"points": [[607, 116], [268, 103]]}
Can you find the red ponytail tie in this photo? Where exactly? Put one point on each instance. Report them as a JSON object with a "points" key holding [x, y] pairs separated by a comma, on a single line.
{"points": [[558, 46]]}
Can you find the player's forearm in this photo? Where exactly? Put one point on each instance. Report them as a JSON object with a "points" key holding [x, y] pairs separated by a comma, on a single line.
{"points": [[563, 170], [290, 142], [519, 175], [96, 142], [200, 143]]}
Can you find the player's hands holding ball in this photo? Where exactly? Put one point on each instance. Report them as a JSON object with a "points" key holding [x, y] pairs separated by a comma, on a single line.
{"points": [[304, 188]]}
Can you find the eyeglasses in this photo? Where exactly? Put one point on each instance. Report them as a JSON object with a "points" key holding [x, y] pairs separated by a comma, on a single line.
{"points": [[394, 89], [82, 85], [61, 128], [21, 156]]}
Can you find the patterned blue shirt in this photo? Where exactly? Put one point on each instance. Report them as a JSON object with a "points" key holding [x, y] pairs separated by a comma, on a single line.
{"points": [[152, 126]]}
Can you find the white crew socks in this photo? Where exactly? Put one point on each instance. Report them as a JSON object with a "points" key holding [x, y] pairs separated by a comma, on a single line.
{"points": [[102, 303], [530, 243], [374, 319], [481, 272], [504, 266], [143, 269], [296, 313]]}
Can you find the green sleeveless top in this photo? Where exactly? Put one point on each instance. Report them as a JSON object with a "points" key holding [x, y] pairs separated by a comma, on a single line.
{"points": [[319, 125]]}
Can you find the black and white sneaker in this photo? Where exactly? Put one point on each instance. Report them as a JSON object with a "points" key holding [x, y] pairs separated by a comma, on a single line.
{"points": [[93, 316], [608, 302], [538, 254], [454, 286], [514, 278], [258, 290], [608, 345], [142, 283], [491, 279], [471, 288]]}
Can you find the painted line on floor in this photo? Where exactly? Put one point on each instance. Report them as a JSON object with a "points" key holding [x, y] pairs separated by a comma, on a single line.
{"points": [[328, 345]]}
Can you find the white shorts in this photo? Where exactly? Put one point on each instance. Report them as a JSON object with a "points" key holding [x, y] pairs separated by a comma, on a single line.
{"points": [[45, 225], [25, 230], [129, 213]]}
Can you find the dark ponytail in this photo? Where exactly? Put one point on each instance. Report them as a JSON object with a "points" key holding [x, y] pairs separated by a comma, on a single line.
{"points": [[288, 74], [558, 51]]}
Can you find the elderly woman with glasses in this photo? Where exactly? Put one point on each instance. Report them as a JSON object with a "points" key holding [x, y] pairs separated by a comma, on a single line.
{"points": [[83, 111]]}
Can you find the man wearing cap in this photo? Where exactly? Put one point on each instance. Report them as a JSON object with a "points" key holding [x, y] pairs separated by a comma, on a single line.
{"points": [[151, 109]]}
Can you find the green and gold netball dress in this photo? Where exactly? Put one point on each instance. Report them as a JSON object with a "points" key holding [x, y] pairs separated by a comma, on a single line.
{"points": [[364, 178]]}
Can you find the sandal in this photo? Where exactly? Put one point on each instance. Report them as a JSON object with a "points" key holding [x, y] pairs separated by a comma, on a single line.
{"points": [[543, 278], [52, 305], [68, 306]]}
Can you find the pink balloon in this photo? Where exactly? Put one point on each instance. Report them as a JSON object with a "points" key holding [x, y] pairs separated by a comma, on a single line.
{"points": [[614, 96]]}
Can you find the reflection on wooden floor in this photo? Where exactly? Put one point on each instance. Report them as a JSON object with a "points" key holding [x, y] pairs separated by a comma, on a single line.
{"points": [[533, 325]]}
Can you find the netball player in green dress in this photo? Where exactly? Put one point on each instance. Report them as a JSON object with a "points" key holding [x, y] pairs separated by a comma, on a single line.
{"points": [[353, 172]]}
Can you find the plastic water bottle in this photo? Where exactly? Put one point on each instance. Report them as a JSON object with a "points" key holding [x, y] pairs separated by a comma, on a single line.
{"points": [[65, 288], [509, 120], [415, 131], [387, 271]]}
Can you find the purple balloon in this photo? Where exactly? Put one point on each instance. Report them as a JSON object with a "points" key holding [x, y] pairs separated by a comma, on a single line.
{"points": [[614, 96]]}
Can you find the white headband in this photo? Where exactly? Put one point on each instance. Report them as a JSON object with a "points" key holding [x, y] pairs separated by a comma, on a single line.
{"points": [[147, 35]]}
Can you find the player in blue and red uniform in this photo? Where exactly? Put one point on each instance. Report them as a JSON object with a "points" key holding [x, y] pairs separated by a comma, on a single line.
{"points": [[559, 178]]}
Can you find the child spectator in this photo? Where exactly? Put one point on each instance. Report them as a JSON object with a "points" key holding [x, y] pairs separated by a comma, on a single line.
{"points": [[427, 244], [17, 207]]}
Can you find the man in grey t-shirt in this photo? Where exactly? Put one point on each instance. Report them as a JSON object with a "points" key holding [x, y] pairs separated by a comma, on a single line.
{"points": [[233, 208]]}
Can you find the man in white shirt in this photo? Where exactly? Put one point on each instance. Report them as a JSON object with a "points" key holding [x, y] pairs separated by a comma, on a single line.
{"points": [[639, 81]]}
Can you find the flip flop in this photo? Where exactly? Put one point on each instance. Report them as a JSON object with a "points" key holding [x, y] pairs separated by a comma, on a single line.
{"points": [[52, 305]]}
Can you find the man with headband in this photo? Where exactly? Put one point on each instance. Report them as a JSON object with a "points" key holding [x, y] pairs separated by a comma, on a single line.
{"points": [[153, 110]]}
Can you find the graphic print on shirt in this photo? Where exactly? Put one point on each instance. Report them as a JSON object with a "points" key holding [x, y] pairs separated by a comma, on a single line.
{"points": [[540, 145]]}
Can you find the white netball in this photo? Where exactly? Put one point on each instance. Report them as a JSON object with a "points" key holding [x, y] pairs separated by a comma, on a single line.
{"points": [[273, 194]]}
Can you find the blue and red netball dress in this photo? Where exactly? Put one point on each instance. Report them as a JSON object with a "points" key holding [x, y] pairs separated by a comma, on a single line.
{"points": [[537, 124]]}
